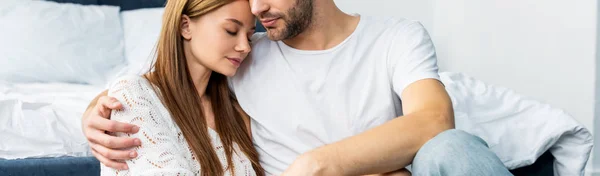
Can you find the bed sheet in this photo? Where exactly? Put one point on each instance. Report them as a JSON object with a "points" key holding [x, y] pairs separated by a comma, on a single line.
{"points": [[43, 119]]}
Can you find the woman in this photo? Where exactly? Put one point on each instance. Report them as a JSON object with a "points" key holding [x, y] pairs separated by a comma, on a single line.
{"points": [[190, 124]]}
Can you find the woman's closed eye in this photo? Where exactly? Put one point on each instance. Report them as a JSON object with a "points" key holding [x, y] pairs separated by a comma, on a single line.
{"points": [[235, 33], [232, 33]]}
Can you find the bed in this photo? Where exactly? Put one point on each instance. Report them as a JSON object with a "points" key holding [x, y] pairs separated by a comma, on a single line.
{"points": [[50, 142], [62, 105]]}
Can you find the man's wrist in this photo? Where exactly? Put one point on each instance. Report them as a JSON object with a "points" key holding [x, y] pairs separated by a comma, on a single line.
{"points": [[325, 161]]}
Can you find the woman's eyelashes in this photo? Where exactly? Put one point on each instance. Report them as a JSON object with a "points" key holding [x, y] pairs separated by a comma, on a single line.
{"points": [[234, 33]]}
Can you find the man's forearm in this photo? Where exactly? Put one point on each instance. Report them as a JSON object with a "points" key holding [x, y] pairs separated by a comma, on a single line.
{"points": [[385, 148]]}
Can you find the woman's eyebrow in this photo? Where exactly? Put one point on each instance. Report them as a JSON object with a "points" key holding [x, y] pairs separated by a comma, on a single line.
{"points": [[238, 22]]}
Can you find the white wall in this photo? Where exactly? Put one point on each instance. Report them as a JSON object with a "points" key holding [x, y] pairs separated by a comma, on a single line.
{"points": [[596, 152], [544, 49], [421, 10], [541, 48]]}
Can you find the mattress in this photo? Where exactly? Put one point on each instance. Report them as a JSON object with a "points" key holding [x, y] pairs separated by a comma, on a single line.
{"points": [[43, 119], [61, 166]]}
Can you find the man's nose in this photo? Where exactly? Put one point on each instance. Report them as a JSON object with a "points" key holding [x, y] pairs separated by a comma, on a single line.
{"points": [[258, 7]]}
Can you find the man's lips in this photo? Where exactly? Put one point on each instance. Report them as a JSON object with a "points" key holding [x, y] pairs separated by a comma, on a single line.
{"points": [[268, 22]]}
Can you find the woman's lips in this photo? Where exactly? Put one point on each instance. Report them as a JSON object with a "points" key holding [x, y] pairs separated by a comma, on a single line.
{"points": [[235, 61]]}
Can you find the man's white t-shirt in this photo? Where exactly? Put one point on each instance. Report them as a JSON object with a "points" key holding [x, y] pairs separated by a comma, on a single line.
{"points": [[300, 100]]}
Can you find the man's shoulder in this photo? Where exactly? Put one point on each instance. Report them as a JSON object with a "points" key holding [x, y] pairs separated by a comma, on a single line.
{"points": [[261, 51], [385, 20], [390, 24], [259, 38], [261, 45]]}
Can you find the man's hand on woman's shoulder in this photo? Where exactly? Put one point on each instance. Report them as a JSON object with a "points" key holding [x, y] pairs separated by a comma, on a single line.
{"points": [[96, 124]]}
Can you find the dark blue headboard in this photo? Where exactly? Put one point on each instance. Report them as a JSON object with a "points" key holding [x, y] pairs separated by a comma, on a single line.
{"points": [[124, 4], [132, 5]]}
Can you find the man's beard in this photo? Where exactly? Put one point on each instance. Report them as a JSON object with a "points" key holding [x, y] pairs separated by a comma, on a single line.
{"points": [[298, 18]]}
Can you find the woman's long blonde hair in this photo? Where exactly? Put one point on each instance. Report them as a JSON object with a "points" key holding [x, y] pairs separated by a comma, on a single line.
{"points": [[171, 76]]}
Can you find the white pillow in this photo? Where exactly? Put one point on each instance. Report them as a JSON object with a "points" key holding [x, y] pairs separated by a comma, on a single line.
{"points": [[43, 41], [141, 29], [516, 128]]}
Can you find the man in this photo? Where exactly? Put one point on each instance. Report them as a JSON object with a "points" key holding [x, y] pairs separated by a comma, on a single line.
{"points": [[335, 94]]}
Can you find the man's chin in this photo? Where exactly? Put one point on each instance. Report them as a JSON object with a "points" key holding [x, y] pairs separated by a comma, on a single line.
{"points": [[274, 34]]}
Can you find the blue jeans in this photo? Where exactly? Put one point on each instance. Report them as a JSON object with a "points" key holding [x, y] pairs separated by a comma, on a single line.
{"points": [[457, 153]]}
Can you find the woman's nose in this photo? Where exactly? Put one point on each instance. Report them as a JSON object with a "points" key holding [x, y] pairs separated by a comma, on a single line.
{"points": [[243, 46]]}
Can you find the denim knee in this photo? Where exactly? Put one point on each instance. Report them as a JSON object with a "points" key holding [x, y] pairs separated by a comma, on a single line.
{"points": [[456, 152]]}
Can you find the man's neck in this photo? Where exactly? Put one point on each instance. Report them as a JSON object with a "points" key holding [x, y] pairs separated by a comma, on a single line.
{"points": [[329, 28]]}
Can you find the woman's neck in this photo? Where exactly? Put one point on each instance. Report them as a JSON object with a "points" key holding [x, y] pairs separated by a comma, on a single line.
{"points": [[199, 73], [200, 76]]}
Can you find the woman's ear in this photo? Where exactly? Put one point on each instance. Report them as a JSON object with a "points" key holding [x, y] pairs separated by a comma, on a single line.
{"points": [[186, 32]]}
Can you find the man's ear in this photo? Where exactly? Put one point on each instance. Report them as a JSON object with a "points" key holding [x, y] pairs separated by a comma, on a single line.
{"points": [[186, 32]]}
